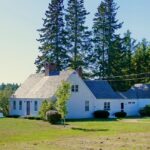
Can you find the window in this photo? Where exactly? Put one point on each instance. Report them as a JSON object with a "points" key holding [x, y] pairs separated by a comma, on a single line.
{"points": [[75, 88], [14, 105], [20, 105], [35, 106], [122, 106], [107, 106], [87, 107], [131, 102]]}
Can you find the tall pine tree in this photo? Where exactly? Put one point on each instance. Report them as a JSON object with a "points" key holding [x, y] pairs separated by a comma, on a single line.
{"points": [[105, 27], [78, 36], [99, 54], [52, 37]]}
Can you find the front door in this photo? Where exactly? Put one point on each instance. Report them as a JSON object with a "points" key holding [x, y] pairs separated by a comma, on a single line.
{"points": [[122, 106], [28, 108]]}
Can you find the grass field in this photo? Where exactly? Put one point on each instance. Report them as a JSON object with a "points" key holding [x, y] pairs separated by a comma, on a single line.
{"points": [[127, 134]]}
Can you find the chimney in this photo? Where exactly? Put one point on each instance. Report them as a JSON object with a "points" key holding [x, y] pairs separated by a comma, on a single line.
{"points": [[50, 68], [80, 72]]}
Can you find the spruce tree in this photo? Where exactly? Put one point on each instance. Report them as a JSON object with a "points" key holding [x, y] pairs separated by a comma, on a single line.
{"points": [[141, 61], [52, 37], [99, 54], [78, 36], [111, 27], [105, 27]]}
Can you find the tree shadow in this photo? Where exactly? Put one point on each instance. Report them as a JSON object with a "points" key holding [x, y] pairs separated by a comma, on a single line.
{"points": [[89, 130], [92, 120]]}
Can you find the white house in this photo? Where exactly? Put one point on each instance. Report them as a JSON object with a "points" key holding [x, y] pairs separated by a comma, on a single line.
{"points": [[87, 95]]}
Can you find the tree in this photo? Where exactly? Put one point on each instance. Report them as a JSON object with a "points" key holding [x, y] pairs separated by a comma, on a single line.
{"points": [[62, 96], [46, 106], [105, 27], [4, 100], [6, 90], [78, 36], [52, 38], [140, 61], [99, 54], [112, 26]]}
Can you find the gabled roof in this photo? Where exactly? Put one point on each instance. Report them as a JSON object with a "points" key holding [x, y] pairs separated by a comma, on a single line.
{"points": [[138, 91], [101, 89], [41, 86]]}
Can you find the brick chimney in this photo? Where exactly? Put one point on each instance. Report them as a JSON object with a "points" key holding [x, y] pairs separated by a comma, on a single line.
{"points": [[49, 68], [80, 71]]}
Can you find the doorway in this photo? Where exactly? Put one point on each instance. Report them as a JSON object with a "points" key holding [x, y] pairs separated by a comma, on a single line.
{"points": [[122, 106]]}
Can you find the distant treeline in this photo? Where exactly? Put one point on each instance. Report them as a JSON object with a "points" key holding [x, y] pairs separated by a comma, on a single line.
{"points": [[13, 86]]}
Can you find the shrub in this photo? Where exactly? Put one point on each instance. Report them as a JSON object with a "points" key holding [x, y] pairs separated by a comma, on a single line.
{"points": [[53, 116], [145, 112], [120, 114], [46, 106], [101, 114]]}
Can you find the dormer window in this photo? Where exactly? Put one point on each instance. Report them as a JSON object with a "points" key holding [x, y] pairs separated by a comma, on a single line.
{"points": [[75, 88]]}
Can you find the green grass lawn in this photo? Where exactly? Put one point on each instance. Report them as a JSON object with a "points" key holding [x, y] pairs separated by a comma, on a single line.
{"points": [[126, 134]]}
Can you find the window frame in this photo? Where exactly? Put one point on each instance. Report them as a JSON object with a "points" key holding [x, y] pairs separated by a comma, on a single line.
{"points": [[107, 106], [14, 105], [20, 105], [87, 106], [75, 88], [35, 105]]}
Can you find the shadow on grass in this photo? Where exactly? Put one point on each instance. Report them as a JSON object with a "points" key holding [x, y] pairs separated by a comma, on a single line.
{"points": [[89, 130], [92, 120]]}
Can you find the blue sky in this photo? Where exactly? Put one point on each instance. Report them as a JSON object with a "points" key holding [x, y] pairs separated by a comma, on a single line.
{"points": [[19, 20]]}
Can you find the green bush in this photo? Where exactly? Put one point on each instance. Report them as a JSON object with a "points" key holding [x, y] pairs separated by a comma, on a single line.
{"points": [[46, 106], [53, 116], [101, 114], [145, 112], [120, 114]]}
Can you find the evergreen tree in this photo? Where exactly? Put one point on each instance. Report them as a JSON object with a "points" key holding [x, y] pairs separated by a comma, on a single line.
{"points": [[78, 36], [112, 26], [99, 54], [52, 37], [141, 61], [105, 37], [129, 45]]}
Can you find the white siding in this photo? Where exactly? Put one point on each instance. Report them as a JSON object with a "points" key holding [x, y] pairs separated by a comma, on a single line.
{"points": [[143, 102], [23, 112], [76, 104], [115, 106]]}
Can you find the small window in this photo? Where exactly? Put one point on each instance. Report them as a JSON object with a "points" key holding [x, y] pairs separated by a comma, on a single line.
{"points": [[20, 105], [35, 106], [87, 106], [107, 106], [14, 105], [75, 88], [129, 102]]}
